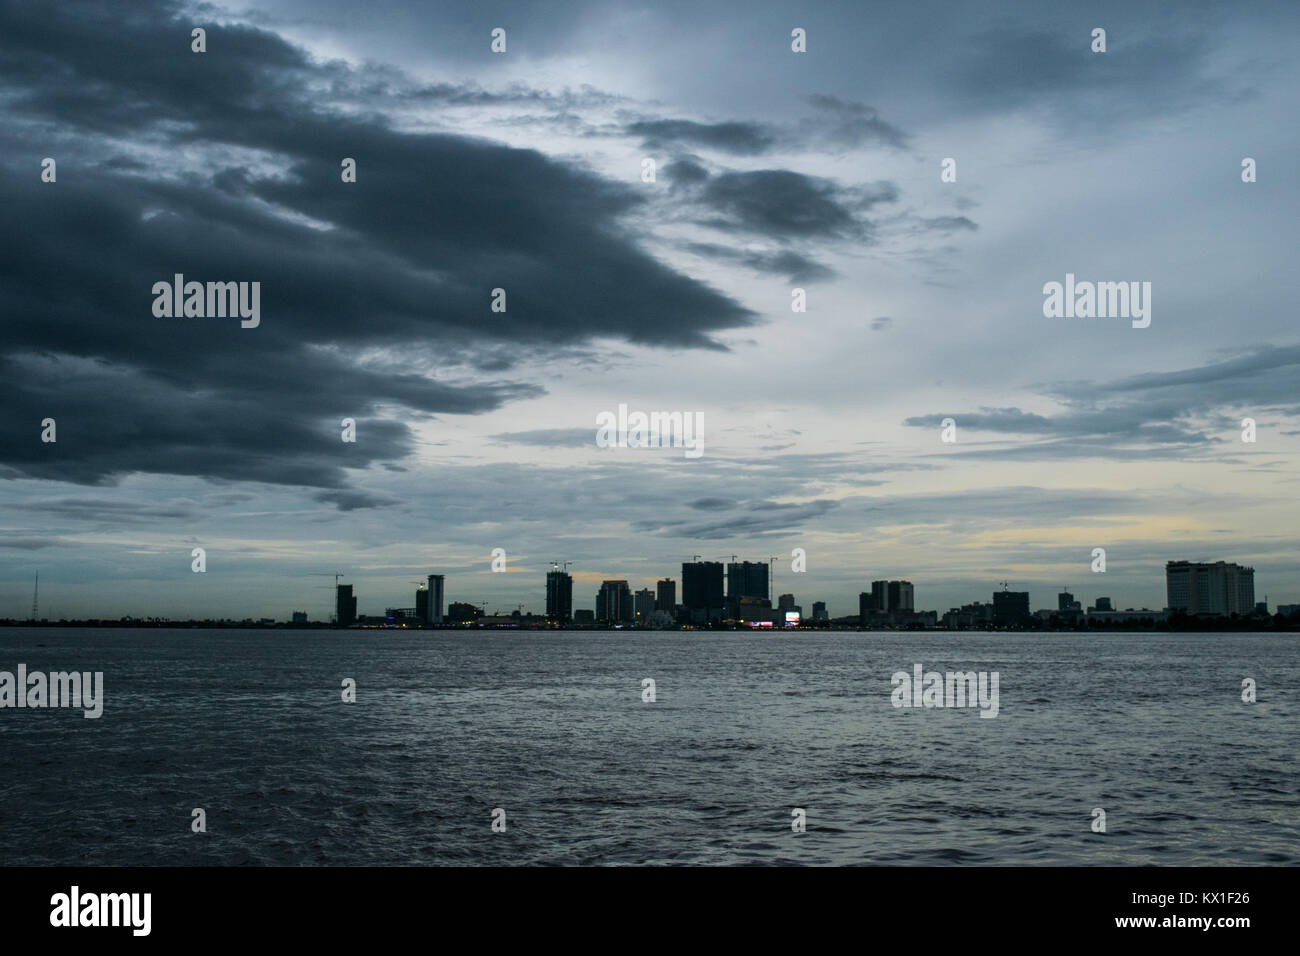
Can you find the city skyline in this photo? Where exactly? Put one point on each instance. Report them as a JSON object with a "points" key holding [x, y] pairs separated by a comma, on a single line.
{"points": [[557, 601], [782, 180]]}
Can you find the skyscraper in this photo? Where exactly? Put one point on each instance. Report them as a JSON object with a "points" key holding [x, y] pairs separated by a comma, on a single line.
{"points": [[434, 606], [666, 596], [614, 602], [644, 604], [1221, 588], [702, 587], [746, 579], [891, 596], [819, 611], [422, 603], [1010, 608], [345, 605], [559, 596]]}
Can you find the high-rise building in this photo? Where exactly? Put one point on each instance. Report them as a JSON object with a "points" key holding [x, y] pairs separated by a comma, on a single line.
{"points": [[433, 609], [300, 617], [785, 602], [1221, 588], [1010, 608], [702, 587], [643, 605], [889, 596], [819, 611], [614, 603], [1103, 604], [345, 605], [559, 596], [422, 603], [1065, 602], [746, 579], [666, 595]]}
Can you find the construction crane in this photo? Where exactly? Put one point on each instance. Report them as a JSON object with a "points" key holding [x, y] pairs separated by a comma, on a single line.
{"points": [[556, 565], [330, 574], [771, 576]]}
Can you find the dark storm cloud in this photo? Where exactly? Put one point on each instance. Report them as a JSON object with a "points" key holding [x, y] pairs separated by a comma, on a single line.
{"points": [[834, 123], [741, 139], [785, 204], [358, 313]]}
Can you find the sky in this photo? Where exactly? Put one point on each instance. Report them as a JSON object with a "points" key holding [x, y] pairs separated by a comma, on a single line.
{"points": [[523, 170]]}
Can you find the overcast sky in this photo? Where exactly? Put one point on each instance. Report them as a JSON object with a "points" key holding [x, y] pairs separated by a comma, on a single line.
{"points": [[523, 170]]}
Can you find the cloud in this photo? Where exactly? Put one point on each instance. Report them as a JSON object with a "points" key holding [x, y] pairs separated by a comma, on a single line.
{"points": [[785, 204], [1169, 415], [738, 138], [225, 166]]}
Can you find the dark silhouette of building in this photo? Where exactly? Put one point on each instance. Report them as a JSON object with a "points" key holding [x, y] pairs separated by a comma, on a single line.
{"points": [[559, 596], [666, 595], [345, 605], [614, 603], [746, 579], [460, 612], [702, 589], [1010, 608], [819, 611], [644, 604], [422, 603], [890, 596]]}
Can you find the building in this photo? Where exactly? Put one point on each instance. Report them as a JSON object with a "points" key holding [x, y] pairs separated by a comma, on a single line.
{"points": [[433, 605], [345, 605], [889, 596], [969, 615], [614, 603], [584, 617], [747, 579], [1103, 604], [559, 596], [1010, 608], [1220, 589], [643, 606], [819, 611], [785, 602], [1065, 602], [461, 613], [666, 595], [702, 589], [300, 617]]}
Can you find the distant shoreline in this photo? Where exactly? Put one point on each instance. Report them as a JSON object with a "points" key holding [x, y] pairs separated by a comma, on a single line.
{"points": [[1274, 624]]}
